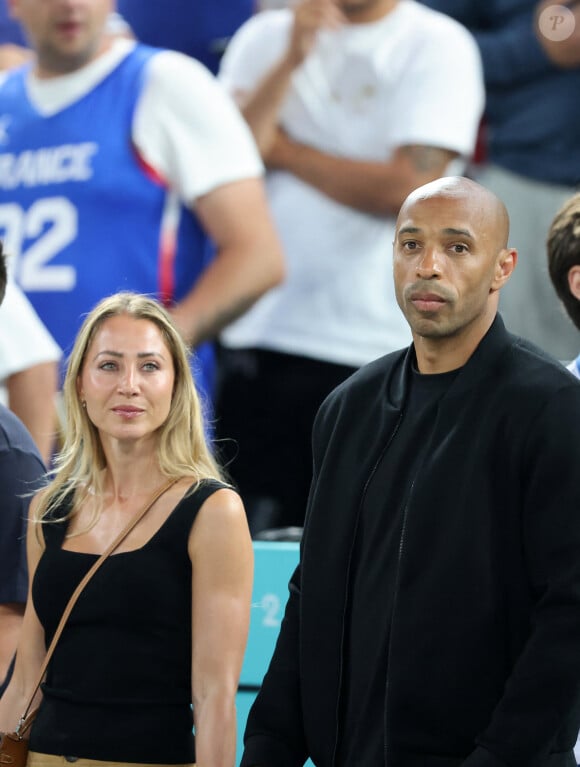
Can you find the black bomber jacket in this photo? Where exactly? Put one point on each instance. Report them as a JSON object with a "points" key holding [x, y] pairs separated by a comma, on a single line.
{"points": [[484, 651]]}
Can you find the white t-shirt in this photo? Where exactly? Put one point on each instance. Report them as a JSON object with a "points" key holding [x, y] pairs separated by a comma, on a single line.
{"points": [[413, 77], [184, 126], [24, 341]]}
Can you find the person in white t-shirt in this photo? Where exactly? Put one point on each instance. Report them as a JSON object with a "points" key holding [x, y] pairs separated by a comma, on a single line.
{"points": [[29, 359], [353, 104], [564, 267], [117, 162]]}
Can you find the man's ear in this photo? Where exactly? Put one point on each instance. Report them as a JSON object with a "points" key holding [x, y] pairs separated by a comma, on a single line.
{"points": [[574, 281], [504, 266]]}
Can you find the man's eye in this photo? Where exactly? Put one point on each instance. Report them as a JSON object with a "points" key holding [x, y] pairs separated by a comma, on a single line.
{"points": [[459, 248], [410, 245]]}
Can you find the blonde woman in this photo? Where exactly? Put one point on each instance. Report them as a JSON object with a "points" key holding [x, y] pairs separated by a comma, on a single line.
{"points": [[163, 624]]}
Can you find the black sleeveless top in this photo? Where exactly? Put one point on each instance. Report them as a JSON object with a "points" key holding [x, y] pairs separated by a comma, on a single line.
{"points": [[118, 686]]}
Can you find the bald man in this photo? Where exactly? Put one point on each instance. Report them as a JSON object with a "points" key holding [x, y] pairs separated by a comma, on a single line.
{"points": [[434, 617]]}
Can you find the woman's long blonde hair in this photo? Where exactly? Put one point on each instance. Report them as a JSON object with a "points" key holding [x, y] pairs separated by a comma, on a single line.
{"points": [[183, 450]]}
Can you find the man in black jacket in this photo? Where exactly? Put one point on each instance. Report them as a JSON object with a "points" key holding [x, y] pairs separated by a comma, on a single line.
{"points": [[434, 618]]}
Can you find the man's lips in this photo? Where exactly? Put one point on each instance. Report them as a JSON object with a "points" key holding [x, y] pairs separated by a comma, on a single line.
{"points": [[68, 28], [427, 302]]}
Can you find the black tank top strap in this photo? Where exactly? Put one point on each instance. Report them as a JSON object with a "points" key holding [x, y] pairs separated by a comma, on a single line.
{"points": [[178, 525], [206, 487], [54, 527]]}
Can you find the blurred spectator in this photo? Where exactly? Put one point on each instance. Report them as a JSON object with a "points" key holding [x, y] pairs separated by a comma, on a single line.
{"points": [[29, 360], [14, 49], [117, 160], [21, 470], [533, 133], [353, 105], [564, 268], [199, 29], [564, 262]]}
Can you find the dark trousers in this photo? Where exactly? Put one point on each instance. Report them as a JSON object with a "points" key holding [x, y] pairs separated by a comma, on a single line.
{"points": [[264, 410]]}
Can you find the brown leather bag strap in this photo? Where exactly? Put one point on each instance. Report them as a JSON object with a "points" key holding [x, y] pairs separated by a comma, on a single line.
{"points": [[27, 717]]}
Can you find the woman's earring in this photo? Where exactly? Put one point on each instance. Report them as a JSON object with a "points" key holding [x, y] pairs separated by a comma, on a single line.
{"points": [[84, 404]]}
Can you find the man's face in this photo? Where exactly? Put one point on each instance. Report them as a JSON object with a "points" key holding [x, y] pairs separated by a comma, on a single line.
{"points": [[447, 265], [66, 34]]}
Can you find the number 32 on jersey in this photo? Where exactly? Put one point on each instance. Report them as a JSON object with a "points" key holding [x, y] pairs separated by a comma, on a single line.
{"points": [[33, 238]]}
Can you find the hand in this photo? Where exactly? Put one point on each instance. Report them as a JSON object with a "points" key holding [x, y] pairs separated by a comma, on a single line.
{"points": [[310, 16], [563, 53]]}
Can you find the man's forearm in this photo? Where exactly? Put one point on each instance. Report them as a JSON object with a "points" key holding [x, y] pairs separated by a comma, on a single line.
{"points": [[248, 260], [232, 283], [261, 108], [378, 188], [32, 396]]}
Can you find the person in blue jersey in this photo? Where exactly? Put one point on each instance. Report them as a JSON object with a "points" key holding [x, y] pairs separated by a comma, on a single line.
{"points": [[154, 645], [116, 161], [564, 262], [531, 63], [201, 30], [21, 472]]}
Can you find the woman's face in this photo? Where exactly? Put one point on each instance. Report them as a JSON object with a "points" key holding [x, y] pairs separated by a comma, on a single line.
{"points": [[127, 379]]}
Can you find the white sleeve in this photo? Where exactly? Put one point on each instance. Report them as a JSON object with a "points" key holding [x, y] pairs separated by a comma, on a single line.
{"points": [[444, 95], [24, 340], [189, 130]]}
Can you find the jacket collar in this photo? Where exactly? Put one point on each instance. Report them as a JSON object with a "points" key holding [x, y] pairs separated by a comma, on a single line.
{"points": [[478, 366]]}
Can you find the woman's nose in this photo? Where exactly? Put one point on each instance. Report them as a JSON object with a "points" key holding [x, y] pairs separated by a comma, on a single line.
{"points": [[129, 381]]}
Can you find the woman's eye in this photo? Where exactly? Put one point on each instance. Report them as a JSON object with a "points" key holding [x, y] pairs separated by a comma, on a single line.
{"points": [[107, 366], [150, 366]]}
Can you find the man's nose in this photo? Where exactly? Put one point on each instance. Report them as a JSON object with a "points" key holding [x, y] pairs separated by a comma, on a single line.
{"points": [[429, 265]]}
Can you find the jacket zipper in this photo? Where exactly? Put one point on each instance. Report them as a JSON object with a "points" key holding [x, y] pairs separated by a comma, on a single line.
{"points": [[396, 591], [395, 595], [348, 572]]}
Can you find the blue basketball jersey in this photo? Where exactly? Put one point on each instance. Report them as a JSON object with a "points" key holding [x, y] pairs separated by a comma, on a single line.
{"points": [[80, 214]]}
